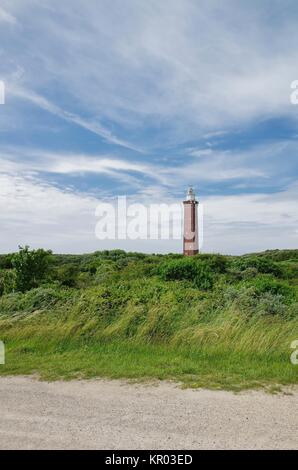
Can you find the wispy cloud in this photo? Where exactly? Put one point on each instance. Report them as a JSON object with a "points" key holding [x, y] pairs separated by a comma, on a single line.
{"points": [[176, 94], [6, 17], [27, 161], [258, 163], [90, 125], [135, 63]]}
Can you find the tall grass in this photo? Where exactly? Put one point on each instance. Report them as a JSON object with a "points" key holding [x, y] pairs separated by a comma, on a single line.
{"points": [[132, 323]]}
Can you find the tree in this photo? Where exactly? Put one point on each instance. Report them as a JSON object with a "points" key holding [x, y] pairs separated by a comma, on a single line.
{"points": [[30, 267]]}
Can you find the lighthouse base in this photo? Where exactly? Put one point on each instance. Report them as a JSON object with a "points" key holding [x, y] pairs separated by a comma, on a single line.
{"points": [[190, 252]]}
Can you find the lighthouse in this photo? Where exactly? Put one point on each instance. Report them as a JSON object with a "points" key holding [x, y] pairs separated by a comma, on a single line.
{"points": [[190, 239]]}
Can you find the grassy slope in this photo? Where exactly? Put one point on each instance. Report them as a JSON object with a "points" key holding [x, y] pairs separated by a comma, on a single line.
{"points": [[124, 321]]}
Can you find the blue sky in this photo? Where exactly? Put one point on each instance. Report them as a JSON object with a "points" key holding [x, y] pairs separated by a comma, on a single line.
{"points": [[142, 98]]}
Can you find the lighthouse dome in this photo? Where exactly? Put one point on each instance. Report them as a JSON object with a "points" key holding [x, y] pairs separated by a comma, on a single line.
{"points": [[190, 195]]}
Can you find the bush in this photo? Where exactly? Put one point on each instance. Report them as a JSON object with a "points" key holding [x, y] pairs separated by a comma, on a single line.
{"points": [[249, 300], [7, 281], [217, 263], [30, 267], [280, 255], [271, 304], [262, 265], [266, 283], [290, 269], [243, 298], [293, 310], [249, 273], [189, 269], [5, 261], [67, 275], [105, 271], [42, 298]]}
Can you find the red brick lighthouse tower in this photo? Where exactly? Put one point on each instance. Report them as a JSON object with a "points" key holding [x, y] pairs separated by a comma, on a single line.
{"points": [[190, 240]]}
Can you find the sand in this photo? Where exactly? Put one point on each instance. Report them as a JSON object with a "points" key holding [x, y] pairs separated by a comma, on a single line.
{"points": [[113, 414]]}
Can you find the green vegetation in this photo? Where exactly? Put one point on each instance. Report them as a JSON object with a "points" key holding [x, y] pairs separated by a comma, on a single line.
{"points": [[210, 320], [30, 267]]}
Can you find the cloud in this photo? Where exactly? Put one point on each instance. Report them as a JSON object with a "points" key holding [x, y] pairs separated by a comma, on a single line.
{"points": [[251, 222], [217, 166], [24, 161], [90, 125], [200, 152], [177, 79], [42, 215], [260, 164], [6, 17], [272, 165], [185, 66]]}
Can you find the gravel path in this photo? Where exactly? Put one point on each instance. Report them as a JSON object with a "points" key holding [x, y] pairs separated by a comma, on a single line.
{"points": [[105, 414]]}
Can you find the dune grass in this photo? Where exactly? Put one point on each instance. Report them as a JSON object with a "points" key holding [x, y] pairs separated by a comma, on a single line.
{"points": [[229, 353], [131, 323]]}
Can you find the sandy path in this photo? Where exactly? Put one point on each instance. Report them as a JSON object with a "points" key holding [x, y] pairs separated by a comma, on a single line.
{"points": [[106, 414]]}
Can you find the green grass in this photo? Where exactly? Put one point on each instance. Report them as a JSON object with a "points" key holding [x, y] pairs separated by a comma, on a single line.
{"points": [[125, 321], [195, 368], [229, 354]]}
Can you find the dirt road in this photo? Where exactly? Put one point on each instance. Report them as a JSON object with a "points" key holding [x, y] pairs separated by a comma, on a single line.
{"points": [[106, 414]]}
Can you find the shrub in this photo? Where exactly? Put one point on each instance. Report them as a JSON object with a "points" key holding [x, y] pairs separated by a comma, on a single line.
{"points": [[7, 281], [293, 310], [249, 273], [189, 269], [249, 300], [243, 298], [30, 267], [5, 261], [217, 263], [262, 265], [67, 275], [290, 269], [267, 283], [271, 304], [41, 298], [105, 271], [113, 255], [280, 255]]}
